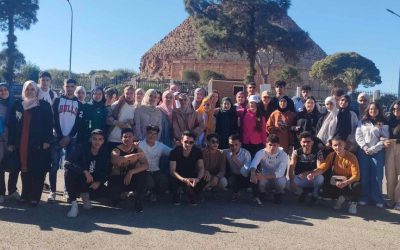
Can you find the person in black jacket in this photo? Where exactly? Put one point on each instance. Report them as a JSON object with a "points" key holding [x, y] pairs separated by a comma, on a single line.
{"points": [[86, 170], [30, 133], [226, 122]]}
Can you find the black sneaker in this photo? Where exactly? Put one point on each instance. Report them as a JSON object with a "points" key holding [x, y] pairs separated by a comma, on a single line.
{"points": [[138, 208], [277, 198], [193, 200], [177, 199]]}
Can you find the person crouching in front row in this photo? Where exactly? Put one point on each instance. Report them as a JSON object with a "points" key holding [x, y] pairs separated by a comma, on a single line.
{"points": [[86, 170]]}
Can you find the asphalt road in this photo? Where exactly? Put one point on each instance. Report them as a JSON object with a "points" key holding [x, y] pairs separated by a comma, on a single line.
{"points": [[216, 223]]}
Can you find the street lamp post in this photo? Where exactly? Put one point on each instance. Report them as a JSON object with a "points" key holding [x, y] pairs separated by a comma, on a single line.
{"points": [[70, 39], [398, 88]]}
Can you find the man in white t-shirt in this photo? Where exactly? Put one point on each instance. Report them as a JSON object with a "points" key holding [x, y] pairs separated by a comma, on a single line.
{"points": [[153, 150], [273, 163]]}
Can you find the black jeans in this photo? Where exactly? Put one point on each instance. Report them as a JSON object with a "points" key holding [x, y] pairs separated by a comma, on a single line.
{"points": [[176, 184], [330, 191], [11, 184], [157, 181], [238, 182], [32, 186], [116, 187], [76, 184]]}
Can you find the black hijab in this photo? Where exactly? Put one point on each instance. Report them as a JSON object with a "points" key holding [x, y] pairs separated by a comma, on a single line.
{"points": [[343, 127]]}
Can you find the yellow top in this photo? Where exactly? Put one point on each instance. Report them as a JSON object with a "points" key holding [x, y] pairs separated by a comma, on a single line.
{"points": [[346, 165]]}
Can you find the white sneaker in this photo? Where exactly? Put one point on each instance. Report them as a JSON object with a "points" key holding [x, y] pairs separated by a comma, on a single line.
{"points": [[353, 208], [339, 202], [73, 212], [1, 199], [86, 201], [362, 203], [51, 197], [65, 196], [379, 205], [15, 196], [397, 206]]}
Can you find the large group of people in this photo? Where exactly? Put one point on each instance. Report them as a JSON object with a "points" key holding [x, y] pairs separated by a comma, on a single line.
{"points": [[145, 143]]}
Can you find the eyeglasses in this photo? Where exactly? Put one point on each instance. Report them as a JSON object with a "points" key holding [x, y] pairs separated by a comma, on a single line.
{"points": [[189, 142], [214, 141]]}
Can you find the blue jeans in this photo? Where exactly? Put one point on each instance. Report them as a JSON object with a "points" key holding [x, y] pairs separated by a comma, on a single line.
{"points": [[315, 184], [57, 161], [371, 171]]}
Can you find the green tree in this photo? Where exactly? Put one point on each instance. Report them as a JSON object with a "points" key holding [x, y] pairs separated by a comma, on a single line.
{"points": [[28, 71], [289, 74], [190, 76], [386, 100], [243, 26], [14, 15], [206, 75], [346, 70]]}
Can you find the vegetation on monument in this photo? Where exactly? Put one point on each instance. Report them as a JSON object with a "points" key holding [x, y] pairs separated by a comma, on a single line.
{"points": [[14, 15], [206, 75], [290, 75], [190, 76], [247, 27], [346, 70]]}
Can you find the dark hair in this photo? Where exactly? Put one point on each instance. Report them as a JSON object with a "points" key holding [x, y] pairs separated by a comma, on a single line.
{"points": [[338, 138], [251, 84], [306, 88], [337, 91], [213, 135], [280, 83], [188, 134], [394, 125], [126, 130], [110, 91], [160, 94], [234, 137], [379, 118], [98, 132], [44, 74], [70, 81], [152, 128], [315, 110], [305, 134], [273, 138]]}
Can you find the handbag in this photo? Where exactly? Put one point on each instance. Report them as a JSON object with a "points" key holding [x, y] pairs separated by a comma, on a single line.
{"points": [[335, 178]]}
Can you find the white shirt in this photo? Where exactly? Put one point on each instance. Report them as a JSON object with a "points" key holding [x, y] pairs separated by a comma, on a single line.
{"points": [[271, 164], [126, 114], [154, 153]]}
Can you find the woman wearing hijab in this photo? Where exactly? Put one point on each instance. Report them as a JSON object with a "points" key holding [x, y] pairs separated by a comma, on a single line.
{"points": [[147, 114], [326, 126], [80, 93], [307, 118], [31, 132], [347, 122], [166, 108], [206, 115], [6, 105], [199, 95], [280, 123], [139, 95], [96, 114], [225, 122]]}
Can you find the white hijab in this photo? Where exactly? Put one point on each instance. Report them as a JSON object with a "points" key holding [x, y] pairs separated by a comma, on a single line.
{"points": [[328, 127], [29, 103]]}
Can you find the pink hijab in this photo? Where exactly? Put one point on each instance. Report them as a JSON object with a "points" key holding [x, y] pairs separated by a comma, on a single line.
{"points": [[163, 106]]}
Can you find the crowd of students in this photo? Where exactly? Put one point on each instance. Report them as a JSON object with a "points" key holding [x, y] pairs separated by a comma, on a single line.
{"points": [[147, 143]]}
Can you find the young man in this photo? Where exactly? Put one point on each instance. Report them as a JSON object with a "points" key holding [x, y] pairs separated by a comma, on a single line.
{"points": [[187, 169], [251, 89], [280, 93], [153, 150], [239, 160], [86, 170], [214, 164], [111, 95], [68, 117], [344, 181], [304, 160], [129, 170], [273, 163], [45, 91], [300, 100]]}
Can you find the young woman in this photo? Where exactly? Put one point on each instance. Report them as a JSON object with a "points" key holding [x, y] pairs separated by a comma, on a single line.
{"points": [[326, 126], [166, 107], [30, 133], [265, 104], [392, 163], [280, 123], [347, 122], [139, 94], [215, 99], [252, 126], [80, 93], [371, 154], [240, 100], [226, 124], [306, 119], [199, 95], [147, 114], [206, 116]]}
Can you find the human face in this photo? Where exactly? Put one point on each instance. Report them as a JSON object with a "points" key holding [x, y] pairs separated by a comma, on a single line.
{"points": [[187, 143], [200, 96], [174, 88], [306, 144], [207, 106], [304, 94], [282, 103], [158, 98], [279, 90], [265, 99], [251, 89], [81, 95], [30, 92], [183, 100], [213, 143], [214, 97], [343, 103], [4, 94], [168, 99], [253, 106], [69, 89], [240, 99], [226, 105], [97, 95], [373, 111], [45, 82], [97, 141], [153, 99], [129, 95], [127, 139], [151, 136], [139, 96], [329, 106], [234, 145], [362, 100], [272, 148], [338, 146], [310, 105], [396, 110]]}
